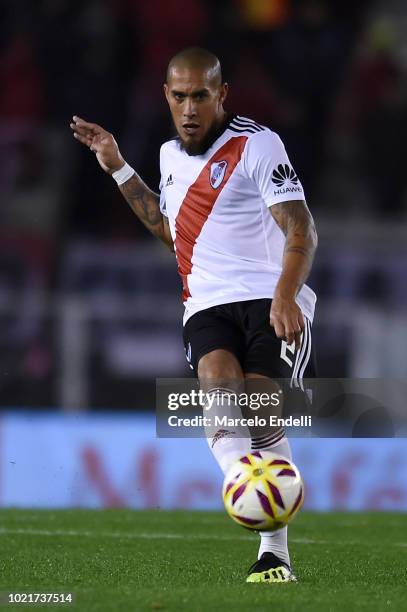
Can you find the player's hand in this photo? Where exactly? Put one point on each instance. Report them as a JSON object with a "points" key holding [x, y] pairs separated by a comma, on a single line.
{"points": [[287, 319], [100, 142]]}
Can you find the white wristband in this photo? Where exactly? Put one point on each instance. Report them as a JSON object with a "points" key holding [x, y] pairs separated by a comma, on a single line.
{"points": [[123, 175]]}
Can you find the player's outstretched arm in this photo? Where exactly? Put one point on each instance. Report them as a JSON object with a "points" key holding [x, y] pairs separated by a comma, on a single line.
{"points": [[297, 224], [142, 200]]}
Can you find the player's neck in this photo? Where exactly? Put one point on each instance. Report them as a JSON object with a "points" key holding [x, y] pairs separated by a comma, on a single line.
{"points": [[219, 125]]}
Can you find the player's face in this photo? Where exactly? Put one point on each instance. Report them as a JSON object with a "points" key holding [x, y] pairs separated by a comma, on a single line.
{"points": [[195, 101]]}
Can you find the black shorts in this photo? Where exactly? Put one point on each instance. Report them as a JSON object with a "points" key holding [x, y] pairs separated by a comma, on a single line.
{"points": [[243, 328]]}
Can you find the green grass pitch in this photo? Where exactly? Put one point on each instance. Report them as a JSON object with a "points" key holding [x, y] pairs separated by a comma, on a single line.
{"points": [[123, 560]]}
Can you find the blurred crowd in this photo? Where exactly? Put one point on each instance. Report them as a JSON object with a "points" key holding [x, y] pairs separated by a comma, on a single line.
{"points": [[328, 76]]}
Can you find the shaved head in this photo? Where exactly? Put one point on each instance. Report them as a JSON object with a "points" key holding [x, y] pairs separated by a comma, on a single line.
{"points": [[195, 94], [195, 58]]}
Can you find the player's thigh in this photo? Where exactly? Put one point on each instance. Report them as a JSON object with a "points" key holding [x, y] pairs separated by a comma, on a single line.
{"points": [[214, 346]]}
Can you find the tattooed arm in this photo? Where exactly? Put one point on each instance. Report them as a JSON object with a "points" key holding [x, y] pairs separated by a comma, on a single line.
{"points": [[297, 224], [146, 205], [143, 202]]}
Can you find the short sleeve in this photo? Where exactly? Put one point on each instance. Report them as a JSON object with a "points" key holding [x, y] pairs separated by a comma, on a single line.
{"points": [[267, 164]]}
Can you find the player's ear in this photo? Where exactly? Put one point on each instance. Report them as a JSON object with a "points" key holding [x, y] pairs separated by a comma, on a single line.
{"points": [[166, 92], [224, 88]]}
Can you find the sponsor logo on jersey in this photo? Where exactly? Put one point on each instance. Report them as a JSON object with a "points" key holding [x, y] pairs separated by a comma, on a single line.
{"points": [[287, 190], [217, 173], [282, 174], [169, 181], [284, 177]]}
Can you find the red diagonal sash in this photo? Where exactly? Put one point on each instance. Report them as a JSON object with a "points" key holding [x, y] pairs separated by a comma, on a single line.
{"points": [[198, 204]]}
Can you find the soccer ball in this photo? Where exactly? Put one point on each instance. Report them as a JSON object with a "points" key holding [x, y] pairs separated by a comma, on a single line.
{"points": [[263, 491]]}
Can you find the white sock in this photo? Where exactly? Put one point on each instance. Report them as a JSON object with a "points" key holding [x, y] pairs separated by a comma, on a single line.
{"points": [[227, 444], [276, 541]]}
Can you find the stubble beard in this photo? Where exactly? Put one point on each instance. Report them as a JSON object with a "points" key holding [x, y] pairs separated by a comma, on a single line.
{"points": [[200, 147]]}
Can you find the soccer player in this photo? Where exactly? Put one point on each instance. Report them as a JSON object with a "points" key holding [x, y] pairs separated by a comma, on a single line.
{"points": [[233, 210]]}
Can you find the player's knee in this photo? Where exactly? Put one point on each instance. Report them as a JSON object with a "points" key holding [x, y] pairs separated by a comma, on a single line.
{"points": [[220, 367]]}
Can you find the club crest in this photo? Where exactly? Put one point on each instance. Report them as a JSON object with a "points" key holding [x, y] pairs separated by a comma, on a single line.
{"points": [[217, 173]]}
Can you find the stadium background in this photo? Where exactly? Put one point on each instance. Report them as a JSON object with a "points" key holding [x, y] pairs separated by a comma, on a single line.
{"points": [[89, 302]]}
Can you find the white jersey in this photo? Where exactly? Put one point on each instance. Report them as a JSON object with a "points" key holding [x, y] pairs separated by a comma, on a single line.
{"points": [[227, 244]]}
